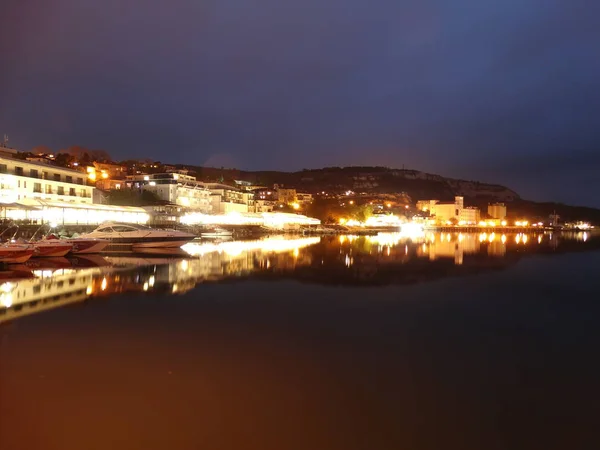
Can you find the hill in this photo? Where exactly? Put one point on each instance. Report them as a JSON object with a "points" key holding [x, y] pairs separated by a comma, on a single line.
{"points": [[414, 184]]}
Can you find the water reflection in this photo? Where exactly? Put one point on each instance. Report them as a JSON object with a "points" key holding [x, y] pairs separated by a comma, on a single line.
{"points": [[390, 258]]}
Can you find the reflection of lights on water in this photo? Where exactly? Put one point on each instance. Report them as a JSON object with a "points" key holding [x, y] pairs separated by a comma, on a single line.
{"points": [[89, 290], [448, 238], [424, 248], [585, 237], [235, 248], [296, 252], [388, 251], [145, 286], [103, 284], [184, 265], [461, 237], [6, 299], [518, 238], [482, 237], [43, 273], [174, 288], [525, 239], [540, 239], [348, 261], [151, 281], [492, 237], [503, 239]]}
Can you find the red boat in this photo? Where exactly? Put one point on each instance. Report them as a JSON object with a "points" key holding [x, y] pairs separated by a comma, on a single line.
{"points": [[15, 253], [51, 248]]}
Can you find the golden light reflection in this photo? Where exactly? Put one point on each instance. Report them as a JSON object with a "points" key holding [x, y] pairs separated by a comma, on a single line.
{"points": [[503, 239], [103, 284]]}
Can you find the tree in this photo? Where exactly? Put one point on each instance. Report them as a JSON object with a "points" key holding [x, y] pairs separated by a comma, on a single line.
{"points": [[63, 159], [130, 197]]}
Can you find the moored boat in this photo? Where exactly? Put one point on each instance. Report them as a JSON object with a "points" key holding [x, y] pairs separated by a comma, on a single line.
{"points": [[51, 248], [139, 236], [82, 245], [15, 253], [216, 233]]}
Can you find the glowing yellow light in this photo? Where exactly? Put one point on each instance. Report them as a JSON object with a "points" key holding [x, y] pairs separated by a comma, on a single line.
{"points": [[540, 239], [460, 237], [503, 239], [482, 237], [351, 202], [90, 169], [389, 205], [483, 223], [492, 237], [296, 252], [151, 281], [518, 238], [296, 205], [89, 290], [145, 286], [503, 223], [525, 239], [342, 221], [92, 176], [6, 299], [103, 284], [104, 175]]}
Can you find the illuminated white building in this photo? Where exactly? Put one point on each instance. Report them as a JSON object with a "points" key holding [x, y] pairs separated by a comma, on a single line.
{"points": [[177, 188], [20, 180]]}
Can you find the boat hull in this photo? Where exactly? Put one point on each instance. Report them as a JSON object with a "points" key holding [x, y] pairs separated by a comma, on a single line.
{"points": [[15, 256], [87, 246], [161, 244], [51, 249]]}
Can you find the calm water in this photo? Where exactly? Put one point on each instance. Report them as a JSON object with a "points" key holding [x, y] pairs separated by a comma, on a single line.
{"points": [[427, 342]]}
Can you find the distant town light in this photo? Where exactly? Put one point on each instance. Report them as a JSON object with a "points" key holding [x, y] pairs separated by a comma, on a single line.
{"points": [[92, 176], [104, 175]]}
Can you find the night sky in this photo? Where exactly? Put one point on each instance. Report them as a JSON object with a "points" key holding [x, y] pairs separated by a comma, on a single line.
{"points": [[500, 91]]}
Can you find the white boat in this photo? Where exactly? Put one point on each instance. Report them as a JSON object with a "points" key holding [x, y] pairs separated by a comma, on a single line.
{"points": [[138, 236], [216, 233]]}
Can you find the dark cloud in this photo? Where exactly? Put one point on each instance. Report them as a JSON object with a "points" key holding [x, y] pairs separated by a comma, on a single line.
{"points": [[466, 88]]}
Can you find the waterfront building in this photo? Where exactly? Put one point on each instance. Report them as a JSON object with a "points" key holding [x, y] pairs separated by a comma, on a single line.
{"points": [[20, 180], [286, 196], [176, 188], [469, 216], [497, 211], [448, 211], [226, 199], [303, 198], [426, 205]]}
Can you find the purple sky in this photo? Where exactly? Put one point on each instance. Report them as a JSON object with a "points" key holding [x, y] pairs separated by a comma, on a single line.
{"points": [[504, 92]]}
